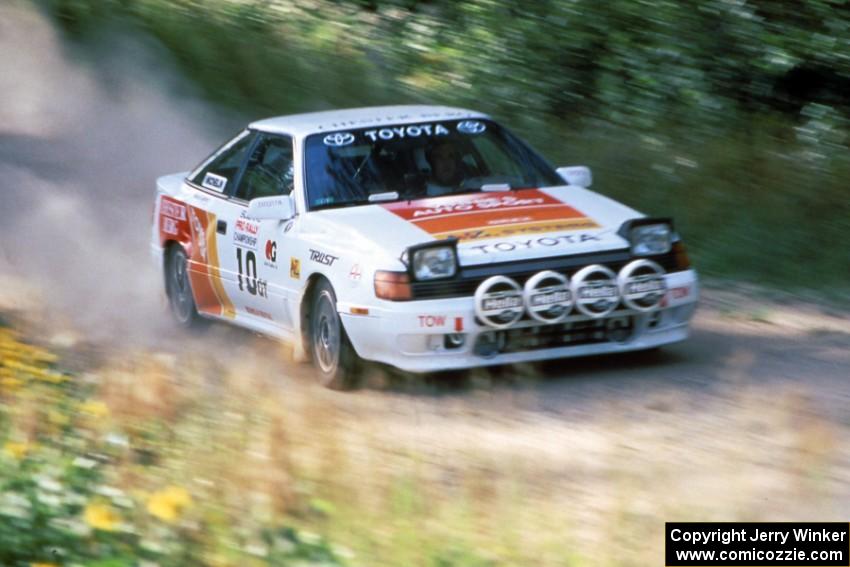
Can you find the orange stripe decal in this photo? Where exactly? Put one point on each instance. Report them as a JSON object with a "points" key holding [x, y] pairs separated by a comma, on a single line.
{"points": [[199, 275], [479, 216], [227, 309]]}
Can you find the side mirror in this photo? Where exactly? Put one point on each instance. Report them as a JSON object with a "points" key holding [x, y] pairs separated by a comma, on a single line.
{"points": [[576, 175], [279, 207]]}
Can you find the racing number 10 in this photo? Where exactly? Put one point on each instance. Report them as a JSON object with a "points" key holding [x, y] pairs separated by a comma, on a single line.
{"points": [[254, 285]]}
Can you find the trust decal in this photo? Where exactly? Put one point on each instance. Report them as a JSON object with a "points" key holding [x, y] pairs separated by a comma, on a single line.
{"points": [[322, 257]]}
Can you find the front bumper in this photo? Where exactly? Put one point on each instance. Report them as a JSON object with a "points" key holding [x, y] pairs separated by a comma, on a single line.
{"points": [[412, 335]]}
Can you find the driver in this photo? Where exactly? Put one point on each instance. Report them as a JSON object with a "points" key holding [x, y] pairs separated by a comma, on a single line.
{"points": [[446, 168]]}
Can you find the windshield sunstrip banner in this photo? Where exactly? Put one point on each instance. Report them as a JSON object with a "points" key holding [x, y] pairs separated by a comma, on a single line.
{"points": [[477, 216]]}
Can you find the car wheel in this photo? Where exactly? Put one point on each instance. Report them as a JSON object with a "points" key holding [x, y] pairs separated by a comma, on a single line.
{"points": [[336, 363], [179, 289]]}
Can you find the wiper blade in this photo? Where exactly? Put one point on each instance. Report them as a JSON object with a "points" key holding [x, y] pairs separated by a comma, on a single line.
{"points": [[385, 196], [495, 187]]}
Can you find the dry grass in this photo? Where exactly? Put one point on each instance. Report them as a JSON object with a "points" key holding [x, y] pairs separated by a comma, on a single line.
{"points": [[489, 474], [407, 479]]}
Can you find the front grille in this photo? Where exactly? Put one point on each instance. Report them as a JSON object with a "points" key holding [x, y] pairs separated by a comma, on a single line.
{"points": [[539, 337], [469, 278]]}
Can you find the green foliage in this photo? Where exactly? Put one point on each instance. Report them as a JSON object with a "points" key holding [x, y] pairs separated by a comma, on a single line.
{"points": [[61, 502], [730, 114]]}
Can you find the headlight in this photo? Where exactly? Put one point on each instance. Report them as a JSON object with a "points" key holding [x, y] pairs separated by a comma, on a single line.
{"points": [[434, 262], [649, 239]]}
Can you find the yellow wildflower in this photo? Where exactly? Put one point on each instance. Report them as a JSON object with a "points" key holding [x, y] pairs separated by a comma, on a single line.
{"points": [[101, 517], [95, 409], [45, 357], [56, 417], [51, 376], [43, 565], [16, 450], [169, 503], [10, 383]]}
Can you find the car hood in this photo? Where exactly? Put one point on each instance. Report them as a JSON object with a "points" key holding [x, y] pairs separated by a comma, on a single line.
{"points": [[490, 227]]}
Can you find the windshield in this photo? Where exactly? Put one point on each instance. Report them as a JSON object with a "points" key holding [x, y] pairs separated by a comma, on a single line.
{"points": [[413, 161]]}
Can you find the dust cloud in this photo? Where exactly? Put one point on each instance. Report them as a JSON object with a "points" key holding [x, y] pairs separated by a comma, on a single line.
{"points": [[84, 132]]}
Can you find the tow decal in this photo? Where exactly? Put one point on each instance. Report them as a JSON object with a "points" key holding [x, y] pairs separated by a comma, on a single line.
{"points": [[480, 216]]}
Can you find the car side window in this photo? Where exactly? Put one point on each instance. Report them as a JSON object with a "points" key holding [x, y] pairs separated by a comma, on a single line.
{"points": [[270, 169], [222, 169]]}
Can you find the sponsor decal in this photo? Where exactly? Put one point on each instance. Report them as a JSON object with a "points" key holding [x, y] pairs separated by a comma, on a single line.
{"points": [[499, 302], [548, 297], [245, 233], [651, 286], [466, 204], [173, 210], [355, 274], [521, 229], [642, 285], [169, 226], [214, 182], [545, 242], [295, 268], [259, 313], [322, 258], [199, 235], [339, 139], [477, 216], [244, 240], [595, 290], [246, 226], [600, 291], [412, 131], [271, 250], [680, 292], [471, 127], [269, 202], [173, 221], [430, 321]]}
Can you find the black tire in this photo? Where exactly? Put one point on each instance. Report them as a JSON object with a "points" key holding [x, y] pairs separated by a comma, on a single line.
{"points": [[337, 364], [181, 302]]}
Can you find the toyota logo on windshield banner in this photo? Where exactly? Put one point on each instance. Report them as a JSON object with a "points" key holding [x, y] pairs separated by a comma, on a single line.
{"points": [[339, 139]]}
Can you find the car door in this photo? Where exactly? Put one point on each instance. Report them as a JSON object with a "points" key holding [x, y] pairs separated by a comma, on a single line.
{"points": [[251, 270], [209, 205]]}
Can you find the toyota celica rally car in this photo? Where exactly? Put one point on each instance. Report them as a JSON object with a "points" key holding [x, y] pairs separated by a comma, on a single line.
{"points": [[427, 238]]}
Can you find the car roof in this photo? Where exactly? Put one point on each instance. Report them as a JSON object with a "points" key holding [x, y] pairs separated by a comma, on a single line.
{"points": [[330, 120]]}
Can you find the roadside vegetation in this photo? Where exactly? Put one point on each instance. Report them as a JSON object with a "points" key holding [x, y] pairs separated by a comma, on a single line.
{"points": [[122, 458], [145, 459], [731, 116], [99, 469]]}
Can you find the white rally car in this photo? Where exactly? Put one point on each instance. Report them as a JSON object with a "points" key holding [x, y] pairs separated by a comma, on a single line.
{"points": [[428, 238]]}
